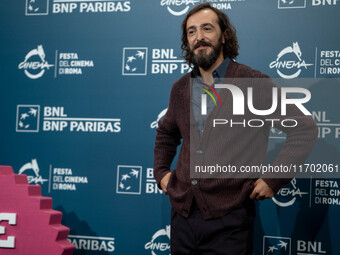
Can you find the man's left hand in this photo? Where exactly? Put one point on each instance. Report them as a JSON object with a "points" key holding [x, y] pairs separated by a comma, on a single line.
{"points": [[261, 190]]}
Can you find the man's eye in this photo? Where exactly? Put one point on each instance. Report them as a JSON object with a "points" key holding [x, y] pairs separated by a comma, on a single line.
{"points": [[207, 28], [191, 32]]}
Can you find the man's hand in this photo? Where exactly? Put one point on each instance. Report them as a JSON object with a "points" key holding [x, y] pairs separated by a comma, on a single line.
{"points": [[261, 191], [164, 182]]}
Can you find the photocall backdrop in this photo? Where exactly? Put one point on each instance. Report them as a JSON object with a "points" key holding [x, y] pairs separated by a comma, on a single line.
{"points": [[84, 83]]}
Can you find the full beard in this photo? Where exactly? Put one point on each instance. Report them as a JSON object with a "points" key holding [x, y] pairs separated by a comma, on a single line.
{"points": [[203, 60]]}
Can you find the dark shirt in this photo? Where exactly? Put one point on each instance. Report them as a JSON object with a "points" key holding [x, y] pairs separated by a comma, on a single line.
{"points": [[196, 92]]}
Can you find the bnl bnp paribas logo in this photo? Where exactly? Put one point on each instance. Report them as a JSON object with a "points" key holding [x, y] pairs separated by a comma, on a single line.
{"points": [[27, 118], [292, 4], [273, 245], [36, 7], [55, 119], [289, 63], [163, 61], [285, 4], [129, 181], [41, 7]]}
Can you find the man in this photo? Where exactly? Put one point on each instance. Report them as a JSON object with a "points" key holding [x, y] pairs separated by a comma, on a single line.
{"points": [[215, 216]]}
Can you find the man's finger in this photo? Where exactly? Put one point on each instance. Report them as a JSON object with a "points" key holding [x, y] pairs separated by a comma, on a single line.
{"points": [[253, 194]]}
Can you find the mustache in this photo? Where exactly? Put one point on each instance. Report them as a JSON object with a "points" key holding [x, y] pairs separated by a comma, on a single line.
{"points": [[202, 43]]}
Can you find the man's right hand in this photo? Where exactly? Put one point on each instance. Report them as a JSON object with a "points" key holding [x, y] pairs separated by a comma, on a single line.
{"points": [[164, 182]]}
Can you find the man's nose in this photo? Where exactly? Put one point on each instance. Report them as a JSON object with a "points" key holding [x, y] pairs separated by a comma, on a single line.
{"points": [[200, 35]]}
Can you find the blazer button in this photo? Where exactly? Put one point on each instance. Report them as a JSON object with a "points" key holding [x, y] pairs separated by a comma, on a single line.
{"points": [[194, 182], [199, 152]]}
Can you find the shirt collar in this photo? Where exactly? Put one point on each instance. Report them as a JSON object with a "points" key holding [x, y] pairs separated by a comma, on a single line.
{"points": [[219, 72]]}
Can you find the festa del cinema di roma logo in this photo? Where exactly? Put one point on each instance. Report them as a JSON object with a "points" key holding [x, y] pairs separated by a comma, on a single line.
{"points": [[178, 7], [32, 166], [291, 68], [34, 64], [287, 195], [160, 242]]}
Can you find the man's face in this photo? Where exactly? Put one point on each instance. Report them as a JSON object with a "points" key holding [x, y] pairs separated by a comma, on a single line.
{"points": [[204, 38]]}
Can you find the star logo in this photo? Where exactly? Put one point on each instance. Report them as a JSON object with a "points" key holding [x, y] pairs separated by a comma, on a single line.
{"points": [[134, 61], [129, 179]]}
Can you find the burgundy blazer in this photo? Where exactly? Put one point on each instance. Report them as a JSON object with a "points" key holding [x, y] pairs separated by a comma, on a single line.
{"points": [[238, 146]]}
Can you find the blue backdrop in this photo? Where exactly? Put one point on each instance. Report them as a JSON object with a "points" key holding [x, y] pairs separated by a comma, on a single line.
{"points": [[83, 84]]}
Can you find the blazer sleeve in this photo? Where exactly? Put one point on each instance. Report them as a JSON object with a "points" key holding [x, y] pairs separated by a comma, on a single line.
{"points": [[300, 139], [167, 140]]}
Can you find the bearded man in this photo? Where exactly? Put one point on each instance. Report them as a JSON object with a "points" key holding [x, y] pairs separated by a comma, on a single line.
{"points": [[216, 215]]}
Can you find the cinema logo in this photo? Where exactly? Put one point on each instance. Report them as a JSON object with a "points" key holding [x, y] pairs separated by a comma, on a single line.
{"points": [[35, 64], [32, 167], [239, 103], [179, 7], [288, 63], [163, 61], [288, 194], [56, 120], [66, 63], [154, 124], [160, 242]]}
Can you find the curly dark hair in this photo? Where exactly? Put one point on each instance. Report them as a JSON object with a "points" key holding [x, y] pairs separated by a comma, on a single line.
{"points": [[230, 48]]}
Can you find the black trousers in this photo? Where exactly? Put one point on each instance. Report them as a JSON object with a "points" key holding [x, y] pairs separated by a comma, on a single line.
{"points": [[231, 234]]}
